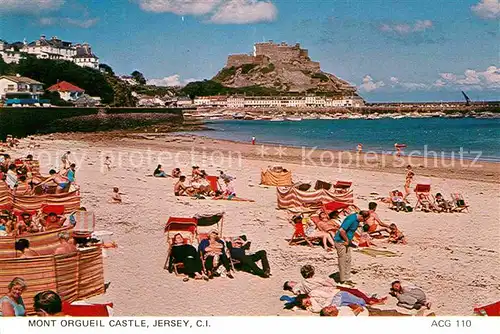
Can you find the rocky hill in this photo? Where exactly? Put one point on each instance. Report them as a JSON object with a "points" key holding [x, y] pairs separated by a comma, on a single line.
{"points": [[281, 67]]}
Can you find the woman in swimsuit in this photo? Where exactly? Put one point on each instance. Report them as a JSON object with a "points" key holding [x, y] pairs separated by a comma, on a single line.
{"points": [[58, 179], [409, 178], [12, 305]]}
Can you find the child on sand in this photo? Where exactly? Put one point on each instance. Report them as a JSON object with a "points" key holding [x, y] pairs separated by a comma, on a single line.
{"points": [[116, 196], [396, 236]]}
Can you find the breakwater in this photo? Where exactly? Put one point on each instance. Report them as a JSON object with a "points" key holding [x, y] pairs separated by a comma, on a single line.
{"points": [[22, 122]]}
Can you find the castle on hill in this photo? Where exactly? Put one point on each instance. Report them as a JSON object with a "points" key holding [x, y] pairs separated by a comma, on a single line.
{"points": [[270, 52]]}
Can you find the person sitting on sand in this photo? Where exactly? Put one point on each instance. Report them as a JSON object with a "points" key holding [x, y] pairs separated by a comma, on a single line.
{"points": [[176, 173], [29, 224], [61, 181], [238, 248], [201, 184], [374, 223], [11, 177], [409, 297], [23, 187], [188, 256], [54, 222], [365, 239], [159, 172], [213, 253], [443, 204], [195, 173], [397, 200], [116, 196], [65, 246], [23, 247], [180, 189], [228, 192], [396, 236]]}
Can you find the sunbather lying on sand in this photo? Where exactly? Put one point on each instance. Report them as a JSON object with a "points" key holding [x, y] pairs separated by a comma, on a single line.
{"points": [[180, 189], [397, 200], [308, 283], [325, 224], [409, 297], [426, 203]]}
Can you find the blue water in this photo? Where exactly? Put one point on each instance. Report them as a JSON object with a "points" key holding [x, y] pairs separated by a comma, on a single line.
{"points": [[444, 136]]}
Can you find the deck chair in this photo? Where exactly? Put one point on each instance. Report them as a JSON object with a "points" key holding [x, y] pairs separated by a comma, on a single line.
{"points": [[342, 187], [87, 310], [202, 236], [187, 227], [84, 224], [423, 193], [459, 203]]}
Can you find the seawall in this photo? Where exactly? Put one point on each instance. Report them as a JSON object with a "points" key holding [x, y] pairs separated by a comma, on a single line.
{"points": [[22, 122]]}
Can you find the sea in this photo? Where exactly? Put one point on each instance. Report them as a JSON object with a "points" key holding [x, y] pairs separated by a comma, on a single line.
{"points": [[469, 138]]}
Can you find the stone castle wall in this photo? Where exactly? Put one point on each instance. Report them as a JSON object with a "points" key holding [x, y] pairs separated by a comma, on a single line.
{"points": [[275, 53]]}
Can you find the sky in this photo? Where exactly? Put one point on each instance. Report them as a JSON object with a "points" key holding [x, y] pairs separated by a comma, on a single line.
{"points": [[392, 50]]}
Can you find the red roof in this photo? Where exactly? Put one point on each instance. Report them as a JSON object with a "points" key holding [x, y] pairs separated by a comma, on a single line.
{"points": [[65, 86]]}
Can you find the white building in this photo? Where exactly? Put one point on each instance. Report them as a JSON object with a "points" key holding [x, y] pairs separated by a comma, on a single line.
{"points": [[54, 49], [184, 101], [129, 80], [9, 53], [236, 102], [16, 86]]}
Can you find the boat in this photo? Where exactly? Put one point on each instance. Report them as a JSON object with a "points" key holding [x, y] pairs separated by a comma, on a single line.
{"points": [[249, 118], [397, 117], [294, 119], [240, 115], [277, 119], [326, 117]]}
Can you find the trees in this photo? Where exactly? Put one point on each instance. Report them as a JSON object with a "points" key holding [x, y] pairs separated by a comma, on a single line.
{"points": [[106, 68], [139, 77], [51, 71]]}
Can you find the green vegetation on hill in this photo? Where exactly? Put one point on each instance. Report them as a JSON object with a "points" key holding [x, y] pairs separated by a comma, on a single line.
{"points": [[110, 89], [225, 73], [268, 69], [210, 87], [151, 90], [320, 76]]}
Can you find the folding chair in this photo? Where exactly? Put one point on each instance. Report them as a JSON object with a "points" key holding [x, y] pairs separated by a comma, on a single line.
{"points": [[459, 203], [423, 193], [185, 226], [342, 187]]}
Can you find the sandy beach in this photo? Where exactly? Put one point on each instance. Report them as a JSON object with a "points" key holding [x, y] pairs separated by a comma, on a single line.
{"points": [[454, 257]]}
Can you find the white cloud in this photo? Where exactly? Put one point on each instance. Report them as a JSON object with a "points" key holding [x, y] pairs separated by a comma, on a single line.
{"points": [[217, 11], [487, 9], [244, 11], [369, 85], [82, 23], [488, 79], [170, 81], [29, 6], [179, 7], [405, 28]]}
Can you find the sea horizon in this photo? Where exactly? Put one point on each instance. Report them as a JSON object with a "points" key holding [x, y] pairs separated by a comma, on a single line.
{"points": [[444, 137]]}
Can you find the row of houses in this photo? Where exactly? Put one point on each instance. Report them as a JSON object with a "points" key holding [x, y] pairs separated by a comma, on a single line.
{"points": [[308, 101], [53, 48], [16, 89]]}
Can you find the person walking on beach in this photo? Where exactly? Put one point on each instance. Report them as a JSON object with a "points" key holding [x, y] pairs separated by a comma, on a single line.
{"points": [[65, 160], [360, 148], [409, 178], [343, 244], [253, 140]]}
